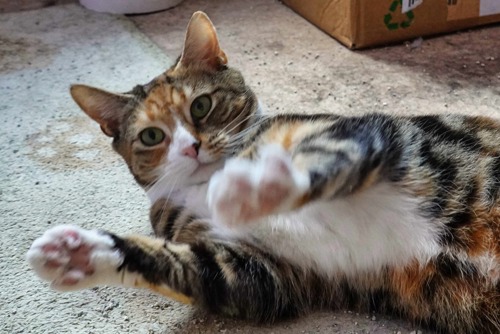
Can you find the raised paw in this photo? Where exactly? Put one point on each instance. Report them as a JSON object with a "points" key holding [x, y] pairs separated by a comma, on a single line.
{"points": [[247, 190], [72, 258]]}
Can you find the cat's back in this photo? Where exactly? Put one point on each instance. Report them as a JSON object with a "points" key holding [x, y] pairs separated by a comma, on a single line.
{"points": [[454, 167]]}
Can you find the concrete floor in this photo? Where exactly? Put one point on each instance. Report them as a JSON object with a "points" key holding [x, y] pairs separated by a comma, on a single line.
{"points": [[292, 66]]}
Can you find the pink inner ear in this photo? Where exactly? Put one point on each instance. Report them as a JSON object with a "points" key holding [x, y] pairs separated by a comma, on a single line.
{"points": [[222, 57], [201, 46], [104, 107], [106, 131]]}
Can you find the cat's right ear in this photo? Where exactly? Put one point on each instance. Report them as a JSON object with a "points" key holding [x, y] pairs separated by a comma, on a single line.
{"points": [[107, 109]]}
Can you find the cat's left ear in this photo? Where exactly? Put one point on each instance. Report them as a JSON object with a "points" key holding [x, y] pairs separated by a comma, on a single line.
{"points": [[201, 47], [107, 109]]}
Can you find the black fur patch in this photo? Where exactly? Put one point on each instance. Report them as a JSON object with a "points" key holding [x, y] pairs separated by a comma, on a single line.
{"points": [[442, 132], [136, 260], [172, 217], [448, 270], [460, 219], [445, 174], [493, 187], [213, 283]]}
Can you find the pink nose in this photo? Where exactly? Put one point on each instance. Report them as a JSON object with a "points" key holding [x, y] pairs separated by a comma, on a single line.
{"points": [[191, 151]]}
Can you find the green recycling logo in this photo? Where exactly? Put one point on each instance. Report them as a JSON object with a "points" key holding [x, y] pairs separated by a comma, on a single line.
{"points": [[395, 25]]}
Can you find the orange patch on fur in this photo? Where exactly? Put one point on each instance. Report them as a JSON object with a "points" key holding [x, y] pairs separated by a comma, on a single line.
{"points": [[484, 123], [152, 109], [164, 291], [484, 231], [155, 156], [407, 283], [287, 139], [288, 134], [162, 101], [301, 201], [369, 180], [148, 243]]}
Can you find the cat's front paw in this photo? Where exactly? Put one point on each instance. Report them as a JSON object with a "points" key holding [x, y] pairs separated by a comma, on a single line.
{"points": [[72, 258], [247, 190]]}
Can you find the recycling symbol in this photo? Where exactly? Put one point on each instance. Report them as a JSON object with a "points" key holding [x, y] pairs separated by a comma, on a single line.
{"points": [[395, 25]]}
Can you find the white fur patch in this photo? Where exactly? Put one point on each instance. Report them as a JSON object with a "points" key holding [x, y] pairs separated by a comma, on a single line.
{"points": [[360, 233], [189, 191], [181, 138], [60, 243]]}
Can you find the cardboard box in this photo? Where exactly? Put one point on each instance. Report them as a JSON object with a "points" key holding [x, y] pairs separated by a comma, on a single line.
{"points": [[364, 23]]}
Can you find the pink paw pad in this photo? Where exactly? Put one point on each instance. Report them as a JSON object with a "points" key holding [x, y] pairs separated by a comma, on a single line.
{"points": [[64, 255], [246, 191]]}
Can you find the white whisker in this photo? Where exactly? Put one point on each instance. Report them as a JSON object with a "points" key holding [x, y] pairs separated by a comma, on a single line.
{"points": [[238, 124]]}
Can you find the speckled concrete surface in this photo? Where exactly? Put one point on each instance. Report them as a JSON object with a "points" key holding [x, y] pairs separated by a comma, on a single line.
{"points": [[58, 168]]}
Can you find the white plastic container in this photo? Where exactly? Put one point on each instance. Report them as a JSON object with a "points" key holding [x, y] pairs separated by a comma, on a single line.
{"points": [[129, 6]]}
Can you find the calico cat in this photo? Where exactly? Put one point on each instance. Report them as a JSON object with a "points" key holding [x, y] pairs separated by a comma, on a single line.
{"points": [[268, 216]]}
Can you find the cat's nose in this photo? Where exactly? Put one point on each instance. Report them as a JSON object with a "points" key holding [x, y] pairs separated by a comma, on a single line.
{"points": [[192, 150]]}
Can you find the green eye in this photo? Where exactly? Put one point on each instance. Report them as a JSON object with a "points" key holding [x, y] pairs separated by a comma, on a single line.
{"points": [[200, 107], [151, 136]]}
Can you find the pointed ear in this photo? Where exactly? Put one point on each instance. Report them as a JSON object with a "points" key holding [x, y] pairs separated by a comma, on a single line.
{"points": [[104, 107], [201, 47]]}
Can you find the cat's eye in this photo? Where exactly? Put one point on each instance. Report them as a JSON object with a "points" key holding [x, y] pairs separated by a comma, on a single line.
{"points": [[201, 107], [151, 136]]}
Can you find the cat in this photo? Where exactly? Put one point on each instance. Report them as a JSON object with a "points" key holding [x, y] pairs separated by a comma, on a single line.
{"points": [[266, 217]]}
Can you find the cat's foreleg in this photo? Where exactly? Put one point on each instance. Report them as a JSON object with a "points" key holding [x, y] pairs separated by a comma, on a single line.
{"points": [[337, 160], [344, 166], [222, 276], [72, 258]]}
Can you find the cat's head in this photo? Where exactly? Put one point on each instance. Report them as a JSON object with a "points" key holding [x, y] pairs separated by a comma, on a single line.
{"points": [[182, 123]]}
